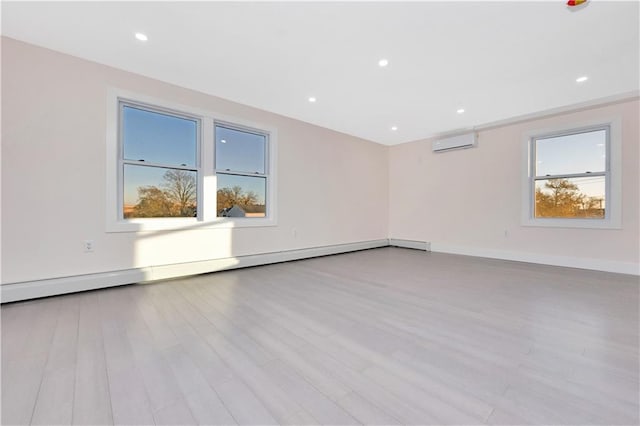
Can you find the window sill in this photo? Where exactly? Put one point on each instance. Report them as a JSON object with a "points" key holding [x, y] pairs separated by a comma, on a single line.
{"points": [[186, 224], [573, 223]]}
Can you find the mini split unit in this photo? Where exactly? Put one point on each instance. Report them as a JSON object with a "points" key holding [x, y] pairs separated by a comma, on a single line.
{"points": [[466, 140]]}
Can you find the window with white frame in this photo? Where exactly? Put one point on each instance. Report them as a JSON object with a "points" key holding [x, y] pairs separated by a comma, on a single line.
{"points": [[572, 179], [159, 162], [171, 167], [241, 168]]}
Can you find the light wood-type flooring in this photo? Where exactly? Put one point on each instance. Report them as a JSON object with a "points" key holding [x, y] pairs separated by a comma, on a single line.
{"points": [[383, 336]]}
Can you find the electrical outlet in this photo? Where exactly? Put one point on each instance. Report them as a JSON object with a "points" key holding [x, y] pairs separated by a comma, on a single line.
{"points": [[88, 246]]}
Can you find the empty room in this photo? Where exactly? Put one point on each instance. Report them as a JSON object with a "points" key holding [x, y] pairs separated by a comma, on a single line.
{"points": [[320, 213]]}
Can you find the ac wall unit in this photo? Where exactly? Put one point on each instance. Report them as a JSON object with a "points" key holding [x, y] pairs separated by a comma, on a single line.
{"points": [[466, 140]]}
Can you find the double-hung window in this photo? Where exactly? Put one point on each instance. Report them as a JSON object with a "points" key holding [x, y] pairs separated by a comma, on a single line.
{"points": [[570, 180], [160, 163], [175, 167], [241, 168]]}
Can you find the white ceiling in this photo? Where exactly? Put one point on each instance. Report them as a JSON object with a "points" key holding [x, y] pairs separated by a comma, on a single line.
{"points": [[497, 60]]}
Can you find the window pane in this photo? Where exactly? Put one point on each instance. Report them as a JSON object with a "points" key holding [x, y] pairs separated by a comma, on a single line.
{"points": [[159, 138], [582, 197], [580, 153], [241, 196], [159, 192], [240, 151]]}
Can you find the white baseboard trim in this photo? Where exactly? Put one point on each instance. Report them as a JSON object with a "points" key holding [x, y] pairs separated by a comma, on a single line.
{"points": [[412, 244], [12, 292], [629, 268]]}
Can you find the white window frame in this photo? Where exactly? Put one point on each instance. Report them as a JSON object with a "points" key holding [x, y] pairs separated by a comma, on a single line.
{"points": [[206, 177], [122, 161], [613, 176], [267, 165]]}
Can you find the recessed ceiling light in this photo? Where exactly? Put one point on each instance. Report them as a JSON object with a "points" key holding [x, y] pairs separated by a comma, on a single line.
{"points": [[142, 37], [394, 128], [223, 141], [383, 62], [312, 99], [460, 111], [582, 79]]}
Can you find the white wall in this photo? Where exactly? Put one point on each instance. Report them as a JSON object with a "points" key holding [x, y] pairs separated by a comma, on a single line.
{"points": [[332, 188], [464, 201]]}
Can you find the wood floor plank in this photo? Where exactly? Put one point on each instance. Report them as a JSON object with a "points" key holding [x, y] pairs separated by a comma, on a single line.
{"points": [[318, 405], [129, 399], [161, 385], [21, 382], [92, 399], [23, 370], [17, 321], [208, 409], [284, 409], [55, 398], [371, 391], [444, 412], [176, 413], [365, 412], [243, 404], [602, 408]]}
